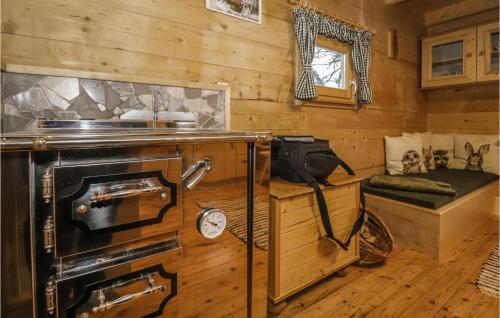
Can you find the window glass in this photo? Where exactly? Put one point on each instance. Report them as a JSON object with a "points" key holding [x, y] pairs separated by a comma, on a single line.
{"points": [[328, 68], [494, 52], [447, 59]]}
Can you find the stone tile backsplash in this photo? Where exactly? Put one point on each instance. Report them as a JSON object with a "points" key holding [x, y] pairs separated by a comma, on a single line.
{"points": [[27, 97]]}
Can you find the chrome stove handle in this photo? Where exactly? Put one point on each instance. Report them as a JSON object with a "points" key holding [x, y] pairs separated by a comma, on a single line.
{"points": [[196, 172], [107, 305], [125, 190]]}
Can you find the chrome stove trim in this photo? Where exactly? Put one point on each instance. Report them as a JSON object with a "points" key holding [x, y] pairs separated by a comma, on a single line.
{"points": [[56, 140], [115, 124]]}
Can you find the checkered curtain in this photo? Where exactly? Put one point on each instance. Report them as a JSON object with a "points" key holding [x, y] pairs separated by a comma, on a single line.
{"points": [[308, 24], [306, 31]]}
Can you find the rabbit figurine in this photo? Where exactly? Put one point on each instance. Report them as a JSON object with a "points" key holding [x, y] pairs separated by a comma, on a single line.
{"points": [[475, 159]]}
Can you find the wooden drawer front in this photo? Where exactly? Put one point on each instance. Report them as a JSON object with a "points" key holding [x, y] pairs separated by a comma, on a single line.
{"points": [[308, 253], [301, 217], [305, 265], [300, 252], [307, 234], [307, 200]]}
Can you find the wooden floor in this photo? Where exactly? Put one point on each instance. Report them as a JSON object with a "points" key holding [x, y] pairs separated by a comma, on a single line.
{"points": [[410, 284]]}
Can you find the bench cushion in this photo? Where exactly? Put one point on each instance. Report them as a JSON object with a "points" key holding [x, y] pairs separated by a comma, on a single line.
{"points": [[464, 182]]}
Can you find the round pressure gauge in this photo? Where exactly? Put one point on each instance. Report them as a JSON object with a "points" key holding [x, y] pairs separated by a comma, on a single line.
{"points": [[211, 223]]}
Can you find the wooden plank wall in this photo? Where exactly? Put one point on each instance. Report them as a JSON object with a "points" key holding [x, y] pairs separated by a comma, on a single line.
{"points": [[180, 39], [468, 109], [464, 110]]}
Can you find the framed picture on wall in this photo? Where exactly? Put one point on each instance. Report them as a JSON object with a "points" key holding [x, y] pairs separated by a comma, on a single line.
{"points": [[249, 10]]}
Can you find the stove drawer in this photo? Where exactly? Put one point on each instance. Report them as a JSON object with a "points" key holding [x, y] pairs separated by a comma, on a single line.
{"points": [[105, 204], [145, 287]]}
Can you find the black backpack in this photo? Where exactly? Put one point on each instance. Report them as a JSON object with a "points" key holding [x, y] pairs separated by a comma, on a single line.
{"points": [[310, 160]]}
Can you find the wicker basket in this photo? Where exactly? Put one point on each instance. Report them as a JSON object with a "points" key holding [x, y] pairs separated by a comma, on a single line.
{"points": [[376, 242]]}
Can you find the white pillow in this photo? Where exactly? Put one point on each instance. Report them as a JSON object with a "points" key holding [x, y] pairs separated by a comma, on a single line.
{"points": [[428, 156], [443, 150], [403, 155], [491, 161], [471, 152]]}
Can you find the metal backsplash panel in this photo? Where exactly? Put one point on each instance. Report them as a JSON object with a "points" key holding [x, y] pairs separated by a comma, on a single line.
{"points": [[28, 97]]}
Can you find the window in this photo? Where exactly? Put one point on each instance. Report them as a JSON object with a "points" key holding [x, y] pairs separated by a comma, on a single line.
{"points": [[329, 68], [332, 72]]}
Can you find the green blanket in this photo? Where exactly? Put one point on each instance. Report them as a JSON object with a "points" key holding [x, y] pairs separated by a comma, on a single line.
{"points": [[414, 184]]}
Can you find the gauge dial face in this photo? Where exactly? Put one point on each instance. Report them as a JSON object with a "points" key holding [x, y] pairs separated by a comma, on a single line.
{"points": [[211, 223]]}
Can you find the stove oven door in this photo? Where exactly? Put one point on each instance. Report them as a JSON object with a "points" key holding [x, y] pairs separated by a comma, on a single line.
{"points": [[104, 204], [146, 287]]}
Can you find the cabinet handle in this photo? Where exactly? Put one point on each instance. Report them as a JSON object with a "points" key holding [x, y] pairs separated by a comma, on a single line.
{"points": [[481, 52], [469, 55], [125, 189], [107, 305]]}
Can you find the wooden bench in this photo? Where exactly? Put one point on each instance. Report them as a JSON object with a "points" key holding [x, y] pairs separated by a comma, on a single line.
{"points": [[299, 255], [436, 232]]}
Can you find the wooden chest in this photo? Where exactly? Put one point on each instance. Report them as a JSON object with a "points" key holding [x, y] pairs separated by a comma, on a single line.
{"points": [[299, 255]]}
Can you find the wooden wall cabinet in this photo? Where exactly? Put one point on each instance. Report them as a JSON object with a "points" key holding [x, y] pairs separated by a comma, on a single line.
{"points": [[299, 254], [461, 57], [487, 52], [449, 59]]}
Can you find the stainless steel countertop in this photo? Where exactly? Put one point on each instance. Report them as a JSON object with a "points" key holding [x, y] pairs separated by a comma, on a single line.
{"points": [[56, 138]]}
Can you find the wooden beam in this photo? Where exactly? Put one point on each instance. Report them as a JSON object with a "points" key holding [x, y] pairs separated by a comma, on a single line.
{"points": [[457, 10], [465, 21], [393, 2]]}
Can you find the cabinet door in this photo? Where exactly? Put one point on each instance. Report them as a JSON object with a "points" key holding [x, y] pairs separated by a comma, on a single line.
{"points": [[449, 59], [487, 52]]}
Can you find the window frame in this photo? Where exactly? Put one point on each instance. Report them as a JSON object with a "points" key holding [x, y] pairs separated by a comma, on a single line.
{"points": [[331, 95]]}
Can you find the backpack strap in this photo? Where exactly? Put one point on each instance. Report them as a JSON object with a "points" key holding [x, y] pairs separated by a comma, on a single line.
{"points": [[343, 164], [323, 208]]}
